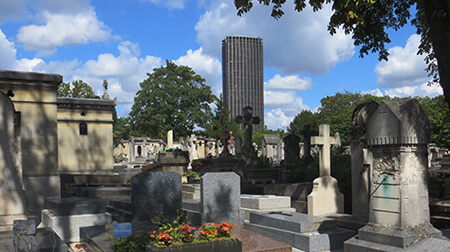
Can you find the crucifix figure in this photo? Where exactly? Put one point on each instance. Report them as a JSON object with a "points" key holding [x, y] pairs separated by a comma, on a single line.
{"points": [[225, 137], [324, 140], [247, 120]]}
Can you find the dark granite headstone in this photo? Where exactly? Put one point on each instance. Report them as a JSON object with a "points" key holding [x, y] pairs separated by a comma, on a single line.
{"points": [[24, 227], [74, 206], [155, 192]]}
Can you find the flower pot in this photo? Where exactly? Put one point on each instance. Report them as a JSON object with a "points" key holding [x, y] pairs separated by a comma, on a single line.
{"points": [[234, 245]]}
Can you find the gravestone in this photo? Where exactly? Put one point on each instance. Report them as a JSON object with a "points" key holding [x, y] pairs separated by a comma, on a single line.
{"points": [[325, 197], [264, 204], [304, 232], [65, 216], [238, 145], [307, 133], [249, 155], [361, 160], [219, 200], [292, 150], [225, 141], [397, 134], [12, 195], [155, 192]]}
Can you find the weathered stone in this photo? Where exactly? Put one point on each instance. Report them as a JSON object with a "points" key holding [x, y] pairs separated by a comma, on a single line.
{"points": [[74, 206], [24, 227]]}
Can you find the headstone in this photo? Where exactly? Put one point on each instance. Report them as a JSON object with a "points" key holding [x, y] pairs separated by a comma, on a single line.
{"points": [[219, 200], [66, 216], [361, 160], [249, 155], [307, 133], [225, 141], [292, 150], [397, 134], [170, 139], [238, 145], [325, 197], [12, 195], [156, 192], [24, 227], [304, 232]]}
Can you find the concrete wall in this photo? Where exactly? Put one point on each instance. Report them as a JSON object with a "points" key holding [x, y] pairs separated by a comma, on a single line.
{"points": [[34, 96]]}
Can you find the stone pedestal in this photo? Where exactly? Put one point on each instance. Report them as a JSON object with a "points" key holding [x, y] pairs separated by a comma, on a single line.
{"points": [[325, 197], [264, 204]]}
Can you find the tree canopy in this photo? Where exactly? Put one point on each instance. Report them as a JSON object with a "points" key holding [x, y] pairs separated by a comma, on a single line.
{"points": [[76, 89], [221, 121], [368, 21], [337, 111], [171, 98]]}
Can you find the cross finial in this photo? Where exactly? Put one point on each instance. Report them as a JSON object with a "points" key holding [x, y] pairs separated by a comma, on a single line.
{"points": [[247, 120]]}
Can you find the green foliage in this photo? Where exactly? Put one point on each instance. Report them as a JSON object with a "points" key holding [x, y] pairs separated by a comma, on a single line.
{"points": [[369, 20], [341, 169], [121, 129], [132, 243], [172, 98], [304, 173], [438, 113], [221, 121], [305, 117], [76, 89]]}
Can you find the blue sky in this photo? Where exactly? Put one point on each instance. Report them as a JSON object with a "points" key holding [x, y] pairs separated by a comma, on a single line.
{"points": [[123, 40]]}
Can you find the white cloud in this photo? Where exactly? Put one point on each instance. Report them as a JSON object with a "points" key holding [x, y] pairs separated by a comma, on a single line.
{"points": [[420, 90], [404, 68], [12, 10], [7, 52], [298, 42], [276, 119], [274, 99], [207, 67], [374, 92], [291, 82], [63, 28], [171, 4]]}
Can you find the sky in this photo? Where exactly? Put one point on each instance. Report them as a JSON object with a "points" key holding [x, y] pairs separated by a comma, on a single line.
{"points": [[122, 40]]}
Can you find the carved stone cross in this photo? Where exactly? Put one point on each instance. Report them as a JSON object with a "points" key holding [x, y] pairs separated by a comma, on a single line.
{"points": [[247, 120], [324, 140]]}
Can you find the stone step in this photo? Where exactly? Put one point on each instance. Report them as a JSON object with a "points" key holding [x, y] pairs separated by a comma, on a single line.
{"points": [[192, 205], [119, 215], [124, 204], [300, 206], [190, 188], [190, 195]]}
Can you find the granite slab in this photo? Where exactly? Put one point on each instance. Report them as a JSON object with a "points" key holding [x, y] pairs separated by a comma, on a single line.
{"points": [[74, 206]]}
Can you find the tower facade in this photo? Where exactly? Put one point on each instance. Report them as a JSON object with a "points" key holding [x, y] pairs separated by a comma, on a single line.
{"points": [[243, 76]]}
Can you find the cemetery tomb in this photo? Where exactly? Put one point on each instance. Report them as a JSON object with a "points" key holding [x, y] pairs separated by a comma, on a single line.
{"points": [[66, 216], [12, 195], [397, 135], [325, 198], [305, 232]]}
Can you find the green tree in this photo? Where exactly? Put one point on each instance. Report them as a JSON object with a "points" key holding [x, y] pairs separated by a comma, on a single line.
{"points": [[305, 117], [76, 89], [368, 21], [221, 121], [121, 129], [439, 115], [172, 98]]}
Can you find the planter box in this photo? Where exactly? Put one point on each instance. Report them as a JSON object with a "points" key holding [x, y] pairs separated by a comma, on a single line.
{"points": [[212, 246]]}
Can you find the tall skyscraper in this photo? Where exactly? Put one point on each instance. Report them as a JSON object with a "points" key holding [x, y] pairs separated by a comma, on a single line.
{"points": [[243, 76]]}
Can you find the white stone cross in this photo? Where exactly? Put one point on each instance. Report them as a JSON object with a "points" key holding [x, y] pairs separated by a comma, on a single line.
{"points": [[324, 140]]}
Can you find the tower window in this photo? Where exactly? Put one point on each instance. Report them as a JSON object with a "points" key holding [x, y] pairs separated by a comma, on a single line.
{"points": [[83, 129]]}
